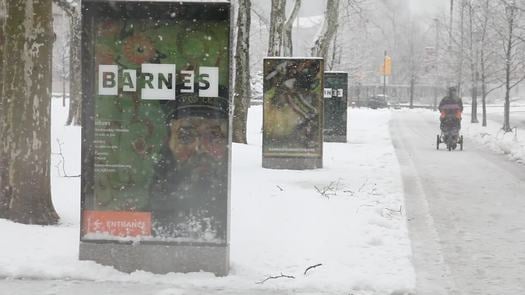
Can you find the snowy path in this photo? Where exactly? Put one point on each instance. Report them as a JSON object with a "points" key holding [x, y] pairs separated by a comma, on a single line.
{"points": [[465, 212]]}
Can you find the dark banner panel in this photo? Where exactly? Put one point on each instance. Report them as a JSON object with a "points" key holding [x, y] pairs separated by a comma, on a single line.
{"points": [[293, 113], [335, 106], [156, 122]]}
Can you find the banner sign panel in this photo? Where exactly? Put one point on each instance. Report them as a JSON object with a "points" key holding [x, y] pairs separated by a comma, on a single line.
{"points": [[293, 113], [335, 106], [156, 122]]}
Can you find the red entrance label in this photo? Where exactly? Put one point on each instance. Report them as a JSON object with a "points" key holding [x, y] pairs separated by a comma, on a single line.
{"points": [[117, 223]]}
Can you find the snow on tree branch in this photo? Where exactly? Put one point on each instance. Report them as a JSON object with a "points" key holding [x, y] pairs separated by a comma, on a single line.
{"points": [[69, 6]]}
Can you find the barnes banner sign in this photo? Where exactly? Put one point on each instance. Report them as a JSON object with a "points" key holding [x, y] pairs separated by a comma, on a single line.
{"points": [[156, 126], [335, 106], [293, 113]]}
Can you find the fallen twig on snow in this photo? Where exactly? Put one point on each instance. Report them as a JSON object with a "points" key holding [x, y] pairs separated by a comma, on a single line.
{"points": [[280, 188], [276, 277], [395, 211], [363, 185], [311, 267], [329, 190], [350, 192]]}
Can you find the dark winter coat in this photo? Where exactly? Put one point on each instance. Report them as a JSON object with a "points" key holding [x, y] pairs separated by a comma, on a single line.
{"points": [[451, 102]]}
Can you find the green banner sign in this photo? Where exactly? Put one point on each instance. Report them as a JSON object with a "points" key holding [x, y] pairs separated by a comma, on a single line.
{"points": [[293, 113], [156, 128], [335, 106]]}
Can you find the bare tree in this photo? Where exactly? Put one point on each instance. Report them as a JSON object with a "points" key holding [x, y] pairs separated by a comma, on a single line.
{"points": [[351, 36], [461, 56], [242, 92], [61, 62], [490, 69], [72, 9], [511, 34], [25, 115], [287, 29], [3, 163], [2, 41], [473, 57], [277, 20], [328, 30]]}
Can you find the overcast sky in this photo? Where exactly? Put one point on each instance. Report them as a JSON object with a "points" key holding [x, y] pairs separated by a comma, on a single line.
{"points": [[428, 7], [419, 8]]}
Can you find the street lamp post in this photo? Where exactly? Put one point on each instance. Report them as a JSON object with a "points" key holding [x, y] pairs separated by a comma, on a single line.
{"points": [[384, 74]]}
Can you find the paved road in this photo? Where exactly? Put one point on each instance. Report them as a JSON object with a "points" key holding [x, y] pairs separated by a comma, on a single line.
{"points": [[466, 212]]}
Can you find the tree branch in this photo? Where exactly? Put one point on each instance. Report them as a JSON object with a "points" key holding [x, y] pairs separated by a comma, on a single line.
{"points": [[276, 277], [312, 267]]}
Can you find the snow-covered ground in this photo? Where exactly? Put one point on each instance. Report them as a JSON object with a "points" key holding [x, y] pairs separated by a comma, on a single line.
{"points": [[511, 144], [281, 222]]}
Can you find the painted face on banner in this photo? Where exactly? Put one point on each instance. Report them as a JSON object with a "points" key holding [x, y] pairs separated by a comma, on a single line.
{"points": [[197, 137], [189, 186]]}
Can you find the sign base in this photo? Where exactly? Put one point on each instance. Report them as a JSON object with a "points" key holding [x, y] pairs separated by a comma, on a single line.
{"points": [[292, 163], [334, 138], [158, 258]]}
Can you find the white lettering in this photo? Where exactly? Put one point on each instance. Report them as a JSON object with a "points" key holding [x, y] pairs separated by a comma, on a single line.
{"points": [[108, 80], [327, 92], [159, 82], [189, 80], [208, 82], [129, 82]]}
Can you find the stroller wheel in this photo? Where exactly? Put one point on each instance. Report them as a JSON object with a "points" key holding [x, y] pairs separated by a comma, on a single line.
{"points": [[438, 141], [461, 143]]}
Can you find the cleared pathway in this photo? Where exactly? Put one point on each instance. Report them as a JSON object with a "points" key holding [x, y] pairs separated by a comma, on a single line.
{"points": [[466, 212]]}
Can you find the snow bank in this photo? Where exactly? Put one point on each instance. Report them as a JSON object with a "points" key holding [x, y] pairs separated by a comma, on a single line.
{"points": [[492, 136]]}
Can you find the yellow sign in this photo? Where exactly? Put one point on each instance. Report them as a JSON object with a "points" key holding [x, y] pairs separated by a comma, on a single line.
{"points": [[386, 67]]}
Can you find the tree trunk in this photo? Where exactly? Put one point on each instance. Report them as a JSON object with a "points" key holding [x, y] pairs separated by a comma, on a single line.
{"points": [[287, 29], [462, 48], [412, 88], [3, 164], [484, 100], [242, 92], [328, 31], [334, 53], [483, 61], [508, 63], [75, 65], [451, 23], [75, 70], [25, 119], [473, 68], [483, 85], [275, 42]]}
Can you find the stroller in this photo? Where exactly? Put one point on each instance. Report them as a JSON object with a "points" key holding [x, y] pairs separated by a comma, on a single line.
{"points": [[450, 126]]}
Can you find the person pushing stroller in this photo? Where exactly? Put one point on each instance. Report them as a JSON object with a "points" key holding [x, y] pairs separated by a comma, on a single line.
{"points": [[451, 108]]}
